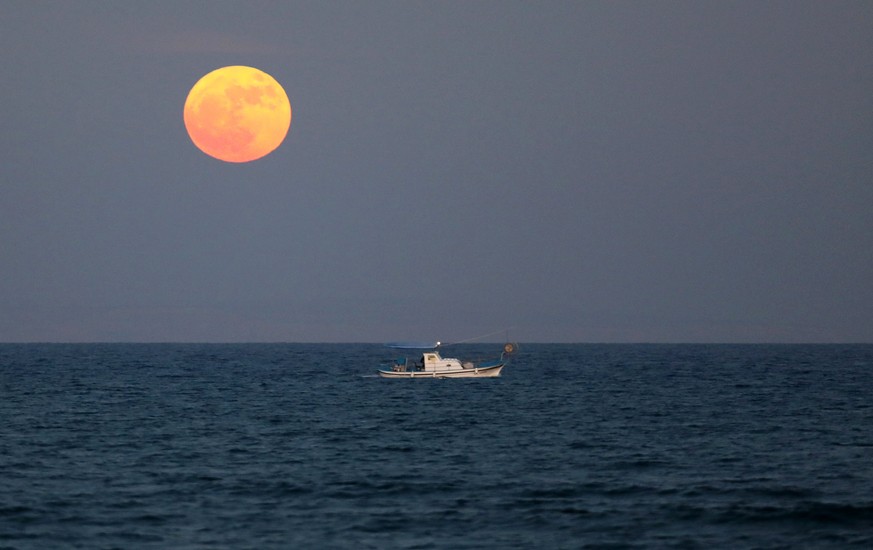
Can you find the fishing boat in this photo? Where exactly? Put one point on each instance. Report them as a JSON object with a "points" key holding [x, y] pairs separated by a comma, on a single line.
{"points": [[430, 364]]}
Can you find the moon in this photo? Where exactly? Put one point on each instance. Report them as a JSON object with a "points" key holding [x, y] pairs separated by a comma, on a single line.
{"points": [[237, 114]]}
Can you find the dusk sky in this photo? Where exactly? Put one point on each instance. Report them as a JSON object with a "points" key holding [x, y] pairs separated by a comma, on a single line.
{"points": [[573, 171]]}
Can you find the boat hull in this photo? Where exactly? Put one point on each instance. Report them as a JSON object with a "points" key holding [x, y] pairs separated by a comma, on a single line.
{"points": [[475, 372]]}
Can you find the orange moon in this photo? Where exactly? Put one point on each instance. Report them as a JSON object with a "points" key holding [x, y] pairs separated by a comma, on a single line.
{"points": [[237, 114]]}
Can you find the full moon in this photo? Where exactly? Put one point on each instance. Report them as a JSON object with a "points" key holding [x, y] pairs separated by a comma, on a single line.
{"points": [[237, 114]]}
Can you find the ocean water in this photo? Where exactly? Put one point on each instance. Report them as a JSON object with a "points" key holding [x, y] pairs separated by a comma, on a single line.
{"points": [[300, 446]]}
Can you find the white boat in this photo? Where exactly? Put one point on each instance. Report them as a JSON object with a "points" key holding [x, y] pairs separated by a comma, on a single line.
{"points": [[432, 365]]}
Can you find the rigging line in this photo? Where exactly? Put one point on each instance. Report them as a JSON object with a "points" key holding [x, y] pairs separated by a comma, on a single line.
{"points": [[478, 337]]}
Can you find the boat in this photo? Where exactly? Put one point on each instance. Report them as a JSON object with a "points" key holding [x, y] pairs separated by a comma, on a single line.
{"points": [[430, 364]]}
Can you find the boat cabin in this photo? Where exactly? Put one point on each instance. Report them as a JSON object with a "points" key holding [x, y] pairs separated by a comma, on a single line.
{"points": [[431, 361]]}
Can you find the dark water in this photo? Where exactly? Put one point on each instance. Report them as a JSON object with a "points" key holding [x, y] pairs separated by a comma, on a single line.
{"points": [[295, 446]]}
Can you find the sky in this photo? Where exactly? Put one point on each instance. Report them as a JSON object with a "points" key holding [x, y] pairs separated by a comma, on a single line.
{"points": [[598, 171]]}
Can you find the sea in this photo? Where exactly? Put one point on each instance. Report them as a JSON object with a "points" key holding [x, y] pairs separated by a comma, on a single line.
{"points": [[303, 446]]}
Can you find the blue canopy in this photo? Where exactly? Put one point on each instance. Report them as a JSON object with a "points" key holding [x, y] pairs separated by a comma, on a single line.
{"points": [[413, 345]]}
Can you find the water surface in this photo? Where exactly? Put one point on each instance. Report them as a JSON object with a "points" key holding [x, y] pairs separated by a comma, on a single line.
{"points": [[291, 445]]}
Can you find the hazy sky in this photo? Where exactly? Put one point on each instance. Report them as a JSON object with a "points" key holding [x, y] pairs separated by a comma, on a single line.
{"points": [[579, 171]]}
